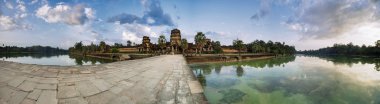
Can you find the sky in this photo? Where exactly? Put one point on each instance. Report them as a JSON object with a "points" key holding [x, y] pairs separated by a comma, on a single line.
{"points": [[305, 24]]}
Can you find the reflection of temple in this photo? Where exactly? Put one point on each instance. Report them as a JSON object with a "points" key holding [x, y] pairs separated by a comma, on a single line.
{"points": [[175, 40]]}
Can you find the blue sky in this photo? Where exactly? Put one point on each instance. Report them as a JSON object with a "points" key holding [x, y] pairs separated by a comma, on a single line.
{"points": [[306, 24]]}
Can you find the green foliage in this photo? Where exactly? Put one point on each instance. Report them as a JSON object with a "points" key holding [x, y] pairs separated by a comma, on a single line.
{"points": [[117, 45], [184, 45], [78, 46], [103, 46], [129, 43], [377, 43], [217, 47], [346, 49], [200, 41], [162, 41], [238, 45], [93, 48], [259, 46], [114, 50], [32, 49]]}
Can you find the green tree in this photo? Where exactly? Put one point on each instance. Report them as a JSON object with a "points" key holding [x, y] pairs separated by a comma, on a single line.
{"points": [[115, 50], [184, 45], [118, 45], [377, 43], [78, 46], [200, 41], [129, 43], [162, 42], [238, 45], [93, 47], [102, 46], [217, 47]]}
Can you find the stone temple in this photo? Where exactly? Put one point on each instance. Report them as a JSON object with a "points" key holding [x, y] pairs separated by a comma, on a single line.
{"points": [[146, 45], [175, 40]]}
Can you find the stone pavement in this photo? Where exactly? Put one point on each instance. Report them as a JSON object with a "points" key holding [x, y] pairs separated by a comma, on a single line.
{"points": [[162, 79]]}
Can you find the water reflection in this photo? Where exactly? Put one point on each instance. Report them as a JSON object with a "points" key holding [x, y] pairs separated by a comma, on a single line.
{"points": [[80, 60], [350, 60], [32, 55], [52, 59], [206, 69], [292, 80], [239, 71]]}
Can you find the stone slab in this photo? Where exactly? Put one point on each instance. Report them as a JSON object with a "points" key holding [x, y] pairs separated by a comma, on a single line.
{"points": [[67, 92], [16, 82], [27, 86], [86, 88], [101, 84], [195, 87], [17, 97], [46, 86], [48, 97], [35, 94], [76, 100]]}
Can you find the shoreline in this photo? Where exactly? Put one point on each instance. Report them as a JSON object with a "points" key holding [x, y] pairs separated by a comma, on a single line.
{"points": [[217, 58], [250, 59]]}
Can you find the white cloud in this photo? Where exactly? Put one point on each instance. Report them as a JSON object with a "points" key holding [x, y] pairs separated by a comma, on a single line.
{"points": [[329, 19], [8, 5], [33, 1], [7, 23], [62, 13], [135, 32]]}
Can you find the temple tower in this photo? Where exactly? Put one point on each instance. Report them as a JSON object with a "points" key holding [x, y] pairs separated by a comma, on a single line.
{"points": [[175, 40], [146, 45]]}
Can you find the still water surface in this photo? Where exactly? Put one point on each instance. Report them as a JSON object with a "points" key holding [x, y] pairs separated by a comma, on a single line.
{"points": [[52, 59], [292, 80]]}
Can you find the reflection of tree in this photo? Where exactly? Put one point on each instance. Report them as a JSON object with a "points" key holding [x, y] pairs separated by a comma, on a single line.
{"points": [[33, 55], [218, 68], [239, 71], [80, 60], [200, 76], [351, 60], [93, 62], [207, 69], [377, 66], [272, 62]]}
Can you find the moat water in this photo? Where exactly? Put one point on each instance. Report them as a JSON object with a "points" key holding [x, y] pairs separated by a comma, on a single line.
{"points": [[52, 59], [292, 80]]}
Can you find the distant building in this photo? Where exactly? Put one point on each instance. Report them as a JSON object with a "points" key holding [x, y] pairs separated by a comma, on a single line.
{"points": [[208, 46], [146, 46], [175, 40], [174, 45]]}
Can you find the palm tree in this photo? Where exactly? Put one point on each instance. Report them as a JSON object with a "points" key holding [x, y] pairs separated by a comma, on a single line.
{"points": [[129, 43], [200, 41], [162, 42], [239, 45], [184, 45]]}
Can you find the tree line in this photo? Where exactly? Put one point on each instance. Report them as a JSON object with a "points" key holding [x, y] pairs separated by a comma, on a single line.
{"points": [[346, 49], [260, 46], [31, 49], [257, 46], [102, 47]]}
